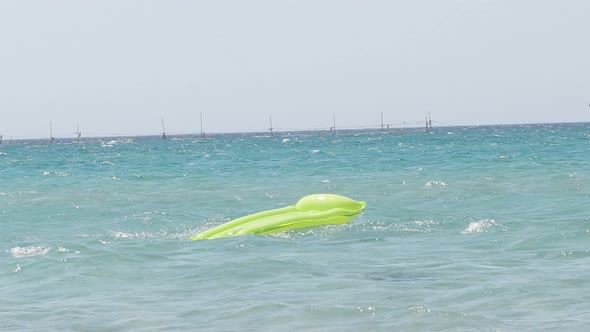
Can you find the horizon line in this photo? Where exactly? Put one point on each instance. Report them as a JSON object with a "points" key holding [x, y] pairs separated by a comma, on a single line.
{"points": [[282, 132]]}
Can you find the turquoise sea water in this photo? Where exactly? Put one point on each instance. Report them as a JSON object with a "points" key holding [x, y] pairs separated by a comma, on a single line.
{"points": [[466, 229]]}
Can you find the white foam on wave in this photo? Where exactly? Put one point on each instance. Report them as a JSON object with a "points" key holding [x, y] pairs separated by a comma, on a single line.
{"points": [[436, 183], [56, 173], [125, 235], [30, 251], [479, 226], [112, 143], [162, 234], [413, 226], [308, 232]]}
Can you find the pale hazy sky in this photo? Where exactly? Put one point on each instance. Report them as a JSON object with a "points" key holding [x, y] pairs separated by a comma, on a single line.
{"points": [[118, 66]]}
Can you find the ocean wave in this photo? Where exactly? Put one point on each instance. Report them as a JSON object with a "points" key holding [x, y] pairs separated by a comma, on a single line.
{"points": [[436, 183], [163, 234], [413, 226], [32, 251], [55, 173], [479, 226], [114, 142]]}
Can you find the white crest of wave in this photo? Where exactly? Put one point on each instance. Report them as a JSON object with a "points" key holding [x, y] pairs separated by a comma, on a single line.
{"points": [[162, 234], [31, 251], [55, 173], [112, 143], [124, 235], [435, 183], [479, 226]]}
